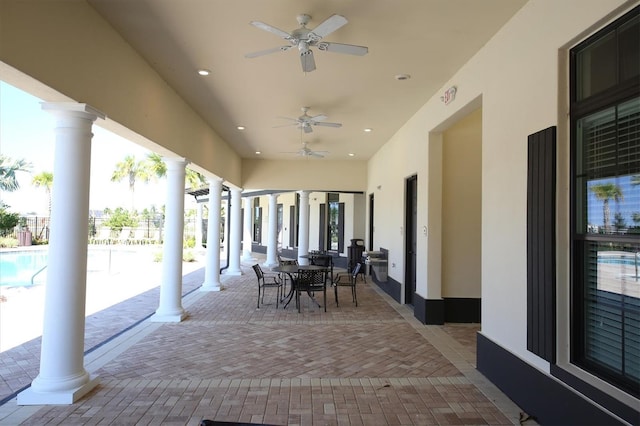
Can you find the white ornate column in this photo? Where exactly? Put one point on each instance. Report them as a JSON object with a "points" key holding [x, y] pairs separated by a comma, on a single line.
{"points": [[170, 307], [212, 267], [272, 237], [62, 378], [234, 233], [303, 220], [247, 234]]}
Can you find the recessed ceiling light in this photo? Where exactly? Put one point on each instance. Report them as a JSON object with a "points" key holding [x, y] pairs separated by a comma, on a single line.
{"points": [[240, 127], [351, 154], [368, 129], [204, 72], [401, 77], [258, 152]]}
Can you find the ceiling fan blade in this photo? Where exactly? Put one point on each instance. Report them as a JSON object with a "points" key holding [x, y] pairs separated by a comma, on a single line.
{"points": [[285, 125], [268, 51], [319, 117], [315, 154], [329, 25], [288, 118], [285, 35], [328, 124], [307, 61], [349, 49]]}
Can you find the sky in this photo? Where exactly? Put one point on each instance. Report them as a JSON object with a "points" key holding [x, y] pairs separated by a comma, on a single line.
{"points": [[27, 132]]}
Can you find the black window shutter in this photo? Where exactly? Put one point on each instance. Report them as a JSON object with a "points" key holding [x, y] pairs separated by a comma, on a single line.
{"points": [[541, 244], [322, 229], [292, 226], [340, 227]]}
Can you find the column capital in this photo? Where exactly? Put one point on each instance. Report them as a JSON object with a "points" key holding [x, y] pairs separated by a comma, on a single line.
{"points": [[215, 180], [176, 161], [73, 109], [304, 193]]}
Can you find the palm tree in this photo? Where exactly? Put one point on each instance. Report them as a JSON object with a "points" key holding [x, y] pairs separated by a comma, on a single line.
{"points": [[44, 180], [8, 169], [156, 165], [194, 179], [605, 192], [131, 169]]}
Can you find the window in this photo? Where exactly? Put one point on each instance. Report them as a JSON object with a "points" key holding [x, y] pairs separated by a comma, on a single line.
{"points": [[605, 179], [280, 222], [334, 221], [257, 220]]}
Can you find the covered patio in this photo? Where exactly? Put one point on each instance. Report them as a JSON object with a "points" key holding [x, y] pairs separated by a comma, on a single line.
{"points": [[227, 361]]}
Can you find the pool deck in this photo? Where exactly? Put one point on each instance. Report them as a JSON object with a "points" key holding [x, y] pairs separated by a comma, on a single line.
{"points": [[374, 364]]}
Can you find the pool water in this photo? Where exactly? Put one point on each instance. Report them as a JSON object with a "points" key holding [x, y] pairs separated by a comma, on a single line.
{"points": [[25, 268], [18, 267]]}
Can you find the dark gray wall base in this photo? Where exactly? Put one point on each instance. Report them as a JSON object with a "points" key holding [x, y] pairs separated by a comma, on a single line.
{"points": [[428, 311], [390, 286], [462, 310], [539, 395]]}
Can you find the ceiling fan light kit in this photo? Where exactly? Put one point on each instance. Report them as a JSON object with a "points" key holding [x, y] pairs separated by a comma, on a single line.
{"points": [[304, 38], [307, 152], [305, 122]]}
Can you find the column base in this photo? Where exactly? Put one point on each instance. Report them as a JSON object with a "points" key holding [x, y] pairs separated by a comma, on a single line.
{"points": [[236, 272], [211, 287], [160, 317], [270, 264], [67, 397]]}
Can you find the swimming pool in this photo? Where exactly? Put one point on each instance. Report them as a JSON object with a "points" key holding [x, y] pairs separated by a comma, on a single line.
{"points": [[17, 267], [28, 267]]}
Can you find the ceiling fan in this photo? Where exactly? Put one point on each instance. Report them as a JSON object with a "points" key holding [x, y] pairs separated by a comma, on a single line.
{"points": [[304, 38], [308, 152], [306, 122]]}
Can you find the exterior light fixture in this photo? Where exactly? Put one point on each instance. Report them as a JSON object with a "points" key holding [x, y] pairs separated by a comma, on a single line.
{"points": [[204, 72], [240, 127], [368, 130]]}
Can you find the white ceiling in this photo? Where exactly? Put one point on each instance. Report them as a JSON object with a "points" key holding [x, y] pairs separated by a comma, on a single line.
{"points": [[427, 39]]}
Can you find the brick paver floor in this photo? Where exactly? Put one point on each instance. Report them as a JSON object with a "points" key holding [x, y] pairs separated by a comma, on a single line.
{"points": [[228, 361]]}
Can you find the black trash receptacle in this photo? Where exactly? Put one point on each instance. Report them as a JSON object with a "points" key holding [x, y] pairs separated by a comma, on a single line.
{"points": [[355, 253]]}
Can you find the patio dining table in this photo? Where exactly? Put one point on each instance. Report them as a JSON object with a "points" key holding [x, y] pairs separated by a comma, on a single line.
{"points": [[292, 271]]}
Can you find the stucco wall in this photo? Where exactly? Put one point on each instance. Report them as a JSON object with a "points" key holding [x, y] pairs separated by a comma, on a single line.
{"points": [[515, 79], [461, 207], [312, 174]]}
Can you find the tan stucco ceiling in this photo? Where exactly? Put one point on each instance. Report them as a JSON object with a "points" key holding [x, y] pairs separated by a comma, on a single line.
{"points": [[427, 39]]}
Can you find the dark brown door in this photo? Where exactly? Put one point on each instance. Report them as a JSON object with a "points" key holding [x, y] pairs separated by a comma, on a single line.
{"points": [[411, 209]]}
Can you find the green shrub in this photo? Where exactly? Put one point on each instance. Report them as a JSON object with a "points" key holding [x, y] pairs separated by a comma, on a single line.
{"points": [[187, 256], [8, 242], [190, 242], [8, 220], [121, 218]]}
